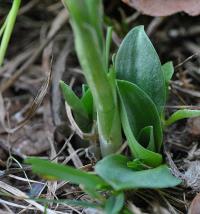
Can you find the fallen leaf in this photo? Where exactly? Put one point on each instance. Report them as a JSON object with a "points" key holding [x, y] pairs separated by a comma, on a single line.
{"points": [[193, 125], [195, 205], [165, 7]]}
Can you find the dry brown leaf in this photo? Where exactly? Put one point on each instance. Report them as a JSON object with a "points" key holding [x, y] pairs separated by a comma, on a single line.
{"points": [[193, 126], [195, 205], [165, 7], [21, 195]]}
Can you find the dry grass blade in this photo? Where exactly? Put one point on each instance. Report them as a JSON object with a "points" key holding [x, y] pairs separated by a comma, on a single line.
{"points": [[12, 65], [134, 209], [183, 107], [63, 147], [28, 6], [21, 195], [160, 210], [24, 179], [75, 158], [14, 204], [87, 136], [57, 22], [187, 91], [187, 59]]}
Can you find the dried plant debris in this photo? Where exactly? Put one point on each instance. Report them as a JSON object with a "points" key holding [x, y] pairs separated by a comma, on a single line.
{"points": [[194, 127], [165, 7], [192, 175], [195, 205]]}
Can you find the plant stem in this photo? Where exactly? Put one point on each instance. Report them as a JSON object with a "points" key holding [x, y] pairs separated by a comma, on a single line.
{"points": [[3, 27], [10, 22], [86, 20]]}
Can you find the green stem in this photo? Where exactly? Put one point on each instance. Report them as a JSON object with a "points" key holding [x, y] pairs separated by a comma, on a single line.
{"points": [[3, 27], [106, 105], [86, 20], [10, 22]]}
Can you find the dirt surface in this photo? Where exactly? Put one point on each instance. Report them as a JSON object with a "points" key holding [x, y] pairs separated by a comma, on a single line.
{"points": [[34, 122]]}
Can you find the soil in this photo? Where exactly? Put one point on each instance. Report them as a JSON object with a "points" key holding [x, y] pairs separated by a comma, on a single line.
{"points": [[33, 118]]}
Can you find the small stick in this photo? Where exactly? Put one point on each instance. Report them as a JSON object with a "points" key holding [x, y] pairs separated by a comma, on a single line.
{"points": [[186, 60]]}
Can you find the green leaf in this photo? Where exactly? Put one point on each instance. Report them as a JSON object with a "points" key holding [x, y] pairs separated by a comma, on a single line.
{"points": [[113, 58], [123, 178], [73, 101], [146, 138], [182, 114], [139, 110], [108, 43], [168, 70], [95, 9], [86, 20], [138, 62], [114, 204], [66, 173], [87, 12], [127, 116], [84, 89], [136, 165], [87, 101], [127, 211], [138, 151], [81, 109]]}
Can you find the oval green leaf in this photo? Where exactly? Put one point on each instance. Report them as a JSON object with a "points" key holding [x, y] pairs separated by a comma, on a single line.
{"points": [[90, 182], [138, 62], [139, 111], [82, 108], [124, 178]]}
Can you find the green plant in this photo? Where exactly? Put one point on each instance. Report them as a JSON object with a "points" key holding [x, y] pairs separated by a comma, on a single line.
{"points": [[86, 19], [131, 93], [112, 176], [7, 28]]}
